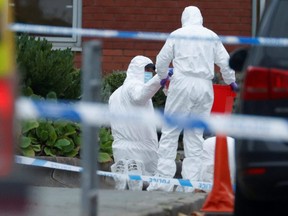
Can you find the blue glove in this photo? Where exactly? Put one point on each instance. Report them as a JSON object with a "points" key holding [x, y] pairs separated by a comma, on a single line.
{"points": [[234, 87], [163, 81], [170, 72]]}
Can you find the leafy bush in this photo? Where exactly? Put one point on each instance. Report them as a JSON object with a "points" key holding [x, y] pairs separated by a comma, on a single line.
{"points": [[111, 82], [105, 142], [60, 138], [50, 138], [50, 74], [44, 69], [159, 100]]}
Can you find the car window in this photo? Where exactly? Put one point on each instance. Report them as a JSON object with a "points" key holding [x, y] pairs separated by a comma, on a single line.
{"points": [[280, 21], [274, 26], [279, 29]]}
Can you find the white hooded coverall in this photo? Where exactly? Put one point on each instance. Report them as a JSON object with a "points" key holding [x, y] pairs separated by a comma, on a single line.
{"points": [[208, 159], [190, 91], [135, 141]]}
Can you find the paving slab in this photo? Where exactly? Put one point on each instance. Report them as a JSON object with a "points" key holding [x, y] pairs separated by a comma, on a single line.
{"points": [[55, 192], [58, 201]]}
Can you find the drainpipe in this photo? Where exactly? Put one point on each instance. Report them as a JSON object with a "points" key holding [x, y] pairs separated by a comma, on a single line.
{"points": [[254, 17], [258, 7]]}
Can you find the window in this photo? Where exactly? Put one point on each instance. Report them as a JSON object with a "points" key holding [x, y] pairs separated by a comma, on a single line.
{"points": [[60, 13]]}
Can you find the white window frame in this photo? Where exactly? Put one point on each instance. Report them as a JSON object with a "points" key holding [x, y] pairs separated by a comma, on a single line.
{"points": [[73, 42]]}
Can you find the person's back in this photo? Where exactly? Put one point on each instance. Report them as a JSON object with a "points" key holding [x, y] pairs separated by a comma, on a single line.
{"points": [[190, 91], [121, 102], [194, 56]]}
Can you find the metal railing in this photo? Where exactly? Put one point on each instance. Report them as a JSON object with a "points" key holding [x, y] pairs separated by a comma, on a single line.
{"points": [[91, 87]]}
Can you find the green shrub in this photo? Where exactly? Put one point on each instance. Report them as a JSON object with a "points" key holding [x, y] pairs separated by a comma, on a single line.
{"points": [[111, 82], [60, 138], [105, 144], [43, 69], [50, 74], [159, 100], [50, 138]]}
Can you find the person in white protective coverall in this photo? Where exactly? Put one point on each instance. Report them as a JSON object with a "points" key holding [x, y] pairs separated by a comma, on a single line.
{"points": [[208, 159], [190, 93], [135, 145]]}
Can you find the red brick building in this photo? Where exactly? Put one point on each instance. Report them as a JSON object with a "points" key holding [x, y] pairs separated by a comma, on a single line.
{"points": [[225, 17]]}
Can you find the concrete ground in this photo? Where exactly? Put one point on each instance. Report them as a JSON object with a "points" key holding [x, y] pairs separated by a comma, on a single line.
{"points": [[51, 201], [53, 192]]}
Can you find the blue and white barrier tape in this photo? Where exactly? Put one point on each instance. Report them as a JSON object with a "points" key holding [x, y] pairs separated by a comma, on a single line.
{"points": [[237, 126], [206, 186], [232, 40]]}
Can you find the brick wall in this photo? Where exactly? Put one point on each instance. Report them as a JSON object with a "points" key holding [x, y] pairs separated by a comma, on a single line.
{"points": [[225, 17]]}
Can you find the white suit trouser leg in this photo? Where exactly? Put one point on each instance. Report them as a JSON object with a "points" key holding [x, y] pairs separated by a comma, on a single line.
{"points": [[186, 102], [167, 152], [193, 147]]}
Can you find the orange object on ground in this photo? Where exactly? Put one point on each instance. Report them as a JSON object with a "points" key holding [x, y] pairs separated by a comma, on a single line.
{"points": [[221, 198]]}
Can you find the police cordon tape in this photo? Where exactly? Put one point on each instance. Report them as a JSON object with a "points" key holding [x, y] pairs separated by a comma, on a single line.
{"points": [[206, 186], [98, 114], [232, 40]]}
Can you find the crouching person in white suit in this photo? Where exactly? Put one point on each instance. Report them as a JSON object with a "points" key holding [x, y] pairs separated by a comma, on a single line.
{"points": [[208, 155], [135, 144]]}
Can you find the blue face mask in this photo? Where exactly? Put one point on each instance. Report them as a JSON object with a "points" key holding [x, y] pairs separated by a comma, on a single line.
{"points": [[147, 76]]}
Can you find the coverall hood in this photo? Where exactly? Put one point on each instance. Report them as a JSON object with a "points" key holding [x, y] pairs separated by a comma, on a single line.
{"points": [[136, 68], [191, 16]]}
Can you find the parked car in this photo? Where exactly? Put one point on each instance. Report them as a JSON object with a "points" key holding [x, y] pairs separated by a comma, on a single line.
{"points": [[262, 166]]}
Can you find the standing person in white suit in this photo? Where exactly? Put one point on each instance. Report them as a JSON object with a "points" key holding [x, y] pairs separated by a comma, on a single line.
{"points": [[135, 145], [190, 92]]}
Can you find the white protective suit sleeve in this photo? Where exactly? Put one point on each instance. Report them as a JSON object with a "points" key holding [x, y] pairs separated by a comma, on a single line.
{"points": [[221, 59], [138, 91], [142, 92], [164, 58]]}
